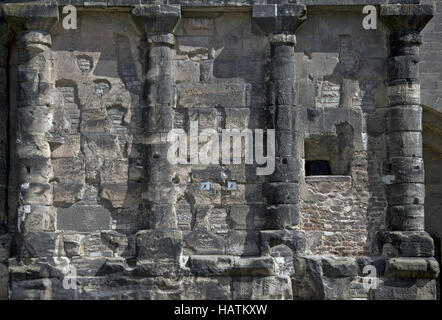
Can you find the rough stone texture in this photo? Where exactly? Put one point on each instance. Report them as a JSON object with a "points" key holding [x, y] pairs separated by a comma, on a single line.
{"points": [[85, 183]]}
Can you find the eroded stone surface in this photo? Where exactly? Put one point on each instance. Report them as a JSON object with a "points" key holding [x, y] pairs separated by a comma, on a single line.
{"points": [[85, 182]]}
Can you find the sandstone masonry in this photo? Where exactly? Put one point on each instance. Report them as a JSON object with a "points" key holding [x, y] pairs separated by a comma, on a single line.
{"points": [[85, 184]]}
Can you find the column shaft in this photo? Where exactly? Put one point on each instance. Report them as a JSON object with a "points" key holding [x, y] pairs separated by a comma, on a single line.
{"points": [[33, 115], [404, 117], [282, 190], [159, 115]]}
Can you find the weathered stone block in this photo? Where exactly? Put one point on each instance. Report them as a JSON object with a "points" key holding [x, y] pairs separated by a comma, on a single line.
{"points": [[281, 192], [95, 246], [40, 218], [242, 217], [37, 193], [406, 267], [4, 281], [232, 266], [162, 216], [281, 216], [69, 148], [242, 243], [205, 197], [211, 288], [267, 288], [405, 144], [203, 242], [158, 119], [406, 194], [83, 218], [68, 194], [198, 26], [287, 169], [87, 267], [122, 245], [122, 194], [36, 169], [403, 94], [294, 239], [408, 170], [285, 144], [73, 244], [237, 118], [337, 267], [43, 244], [402, 67], [404, 118], [406, 217], [407, 244], [159, 244], [284, 118], [187, 71], [404, 289], [214, 94], [5, 242]]}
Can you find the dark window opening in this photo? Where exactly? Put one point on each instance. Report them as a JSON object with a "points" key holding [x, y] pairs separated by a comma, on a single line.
{"points": [[317, 168], [330, 153]]}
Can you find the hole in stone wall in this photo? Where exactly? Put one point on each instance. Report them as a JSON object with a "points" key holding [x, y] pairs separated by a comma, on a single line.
{"points": [[317, 168], [330, 153]]}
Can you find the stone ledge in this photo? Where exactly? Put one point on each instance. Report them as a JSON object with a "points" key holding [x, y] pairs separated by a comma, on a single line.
{"points": [[336, 179], [232, 266], [413, 268]]}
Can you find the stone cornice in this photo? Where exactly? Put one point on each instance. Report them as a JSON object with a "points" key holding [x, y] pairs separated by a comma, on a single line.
{"points": [[403, 17], [156, 18], [211, 3], [35, 16], [272, 18]]}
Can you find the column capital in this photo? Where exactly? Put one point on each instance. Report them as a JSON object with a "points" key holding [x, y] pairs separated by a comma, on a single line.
{"points": [[279, 18], [406, 17], [156, 18], [282, 38], [31, 16]]}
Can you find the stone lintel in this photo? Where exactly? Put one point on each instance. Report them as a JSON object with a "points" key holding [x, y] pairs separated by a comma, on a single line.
{"points": [[279, 18], [156, 18], [31, 16], [403, 17]]}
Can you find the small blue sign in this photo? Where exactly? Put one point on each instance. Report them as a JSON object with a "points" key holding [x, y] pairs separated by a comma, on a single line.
{"points": [[205, 185], [231, 185]]}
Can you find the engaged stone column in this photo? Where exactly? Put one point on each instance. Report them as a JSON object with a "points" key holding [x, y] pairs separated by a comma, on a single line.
{"points": [[157, 23], [404, 117], [5, 38], [33, 113], [282, 189], [406, 245], [159, 243]]}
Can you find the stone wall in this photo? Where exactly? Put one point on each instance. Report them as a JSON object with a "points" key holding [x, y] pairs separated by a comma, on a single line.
{"points": [[91, 195]]}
